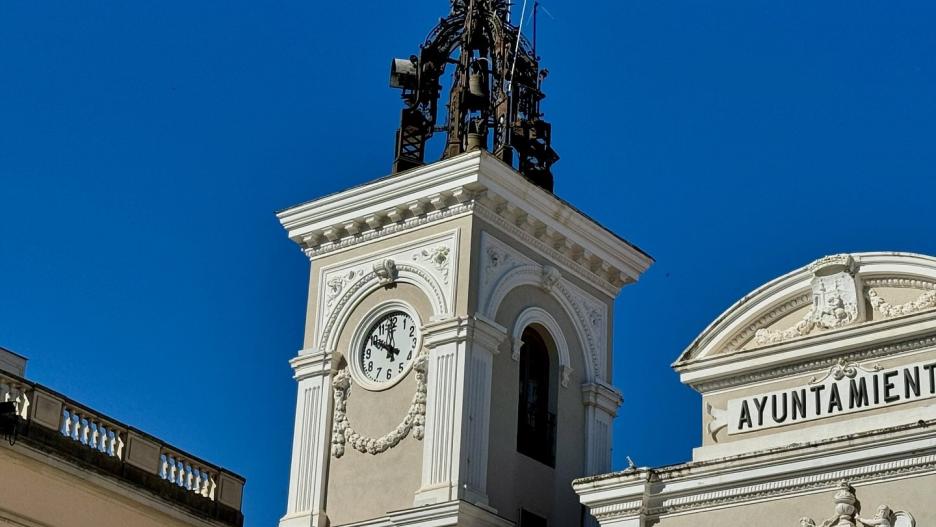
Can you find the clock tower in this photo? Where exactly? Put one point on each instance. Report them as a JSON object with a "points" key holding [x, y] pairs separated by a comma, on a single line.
{"points": [[456, 364]]}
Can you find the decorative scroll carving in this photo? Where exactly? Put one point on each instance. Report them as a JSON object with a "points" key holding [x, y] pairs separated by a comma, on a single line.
{"points": [[718, 422], [439, 258], [847, 509], [844, 368], [386, 271], [336, 285], [927, 300], [835, 301], [565, 372], [495, 260], [551, 278], [415, 420]]}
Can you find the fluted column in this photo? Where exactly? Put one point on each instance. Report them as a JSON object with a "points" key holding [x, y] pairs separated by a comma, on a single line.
{"points": [[601, 404], [455, 455], [307, 484]]}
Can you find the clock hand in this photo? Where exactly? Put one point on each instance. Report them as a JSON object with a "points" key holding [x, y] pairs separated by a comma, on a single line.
{"points": [[392, 352]]}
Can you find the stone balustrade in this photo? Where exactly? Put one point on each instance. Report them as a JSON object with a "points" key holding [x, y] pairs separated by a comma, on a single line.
{"points": [[188, 474], [83, 426], [75, 432]]}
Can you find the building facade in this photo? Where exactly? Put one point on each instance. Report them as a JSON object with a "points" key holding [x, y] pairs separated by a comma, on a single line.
{"points": [[819, 407], [63, 464]]}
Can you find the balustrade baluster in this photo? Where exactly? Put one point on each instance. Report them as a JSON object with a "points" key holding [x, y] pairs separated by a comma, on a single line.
{"points": [[85, 430], [94, 435], [173, 469], [76, 426], [206, 485], [101, 444], [23, 406], [119, 445]]}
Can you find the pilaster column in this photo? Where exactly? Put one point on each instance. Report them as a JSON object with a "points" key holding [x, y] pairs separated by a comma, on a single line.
{"points": [[313, 372], [458, 407], [601, 405]]}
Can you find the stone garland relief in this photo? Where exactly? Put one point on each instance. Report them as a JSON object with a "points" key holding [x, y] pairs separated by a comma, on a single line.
{"points": [[926, 300], [718, 421], [344, 434], [837, 300], [847, 509]]}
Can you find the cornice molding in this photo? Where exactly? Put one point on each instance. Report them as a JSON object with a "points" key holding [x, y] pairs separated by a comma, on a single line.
{"points": [[694, 487], [311, 363], [480, 330], [878, 339], [461, 185], [602, 396]]}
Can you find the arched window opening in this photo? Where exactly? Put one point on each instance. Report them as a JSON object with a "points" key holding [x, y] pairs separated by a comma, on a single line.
{"points": [[536, 420]]}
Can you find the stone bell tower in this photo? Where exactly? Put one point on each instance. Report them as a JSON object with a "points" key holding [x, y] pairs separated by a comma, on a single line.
{"points": [[457, 356]]}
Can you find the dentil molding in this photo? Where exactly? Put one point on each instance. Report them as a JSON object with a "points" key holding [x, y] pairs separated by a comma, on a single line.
{"points": [[472, 183]]}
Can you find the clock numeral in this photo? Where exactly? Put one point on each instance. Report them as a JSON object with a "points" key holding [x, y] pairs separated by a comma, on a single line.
{"points": [[389, 374], [401, 368], [409, 355]]}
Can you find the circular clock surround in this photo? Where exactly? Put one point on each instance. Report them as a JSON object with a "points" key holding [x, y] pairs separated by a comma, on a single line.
{"points": [[381, 318]]}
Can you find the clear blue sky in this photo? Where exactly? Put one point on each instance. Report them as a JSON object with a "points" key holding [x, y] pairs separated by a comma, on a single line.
{"points": [[144, 147]]}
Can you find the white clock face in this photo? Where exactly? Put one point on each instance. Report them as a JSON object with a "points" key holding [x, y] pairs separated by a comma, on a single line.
{"points": [[389, 347]]}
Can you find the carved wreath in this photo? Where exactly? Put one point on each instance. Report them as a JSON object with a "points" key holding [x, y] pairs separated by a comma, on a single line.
{"points": [[415, 420]]}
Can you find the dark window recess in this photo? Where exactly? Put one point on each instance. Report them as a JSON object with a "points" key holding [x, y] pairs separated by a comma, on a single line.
{"points": [[528, 519], [536, 425]]}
